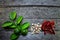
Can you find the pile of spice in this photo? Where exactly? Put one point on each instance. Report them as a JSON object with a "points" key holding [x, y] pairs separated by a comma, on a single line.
{"points": [[35, 28], [48, 27]]}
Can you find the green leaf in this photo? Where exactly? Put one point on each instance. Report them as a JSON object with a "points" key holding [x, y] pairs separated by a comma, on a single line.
{"points": [[24, 32], [25, 25], [12, 15], [8, 23], [17, 30], [14, 36], [19, 19], [13, 26]]}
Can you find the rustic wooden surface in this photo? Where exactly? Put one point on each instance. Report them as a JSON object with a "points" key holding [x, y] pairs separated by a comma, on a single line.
{"points": [[30, 2], [33, 11]]}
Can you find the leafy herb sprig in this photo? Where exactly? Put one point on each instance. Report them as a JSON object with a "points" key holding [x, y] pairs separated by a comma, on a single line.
{"points": [[15, 24]]}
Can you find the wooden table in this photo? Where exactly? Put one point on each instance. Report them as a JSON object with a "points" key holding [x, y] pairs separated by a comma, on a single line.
{"points": [[33, 11]]}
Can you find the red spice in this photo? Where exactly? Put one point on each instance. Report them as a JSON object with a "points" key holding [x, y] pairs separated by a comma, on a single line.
{"points": [[48, 27]]}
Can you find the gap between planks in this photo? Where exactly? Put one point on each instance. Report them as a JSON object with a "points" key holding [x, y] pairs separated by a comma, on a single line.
{"points": [[5, 6]]}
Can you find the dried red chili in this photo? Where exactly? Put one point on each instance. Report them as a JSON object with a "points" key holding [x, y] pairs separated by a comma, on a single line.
{"points": [[48, 27]]}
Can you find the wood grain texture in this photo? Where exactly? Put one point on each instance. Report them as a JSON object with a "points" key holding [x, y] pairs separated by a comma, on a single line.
{"points": [[32, 15], [32, 12], [42, 10], [30, 2], [5, 35]]}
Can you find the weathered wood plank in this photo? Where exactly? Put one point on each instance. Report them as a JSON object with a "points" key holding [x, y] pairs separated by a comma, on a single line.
{"points": [[58, 24], [5, 35], [32, 12], [30, 2]]}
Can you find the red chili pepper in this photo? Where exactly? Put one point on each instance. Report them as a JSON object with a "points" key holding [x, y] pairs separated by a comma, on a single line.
{"points": [[48, 27]]}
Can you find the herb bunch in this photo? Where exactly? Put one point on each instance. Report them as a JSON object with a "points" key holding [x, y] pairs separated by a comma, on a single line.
{"points": [[15, 23]]}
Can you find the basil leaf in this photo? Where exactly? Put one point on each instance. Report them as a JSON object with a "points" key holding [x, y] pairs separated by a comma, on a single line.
{"points": [[25, 25], [17, 30], [12, 15], [13, 26], [8, 23], [14, 36], [19, 19], [24, 32]]}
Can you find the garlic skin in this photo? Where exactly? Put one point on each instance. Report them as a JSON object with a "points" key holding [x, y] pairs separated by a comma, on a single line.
{"points": [[36, 28]]}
